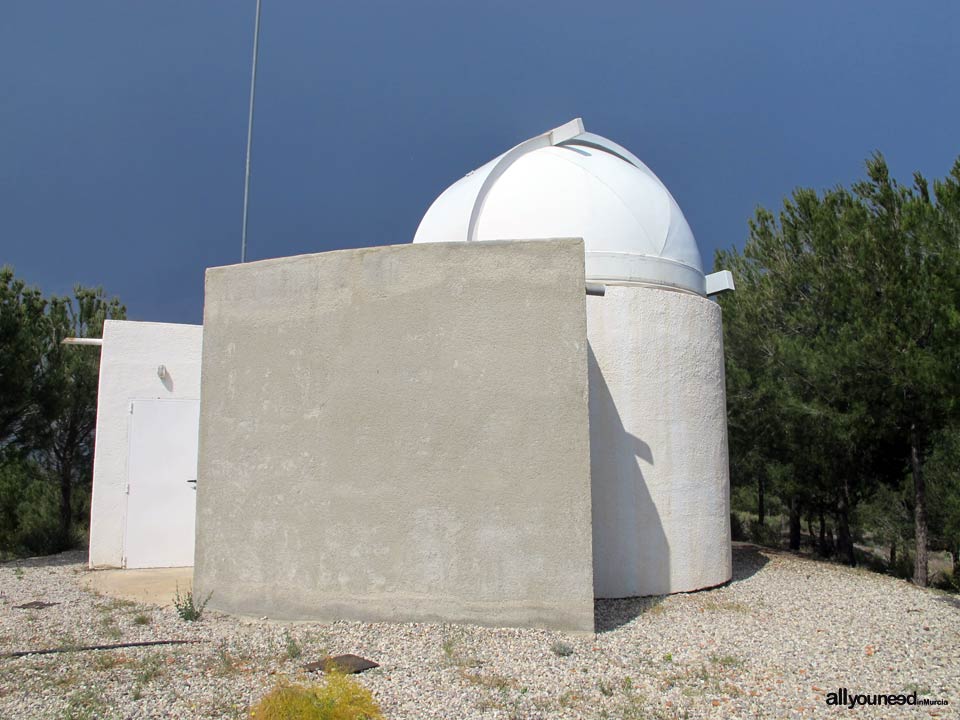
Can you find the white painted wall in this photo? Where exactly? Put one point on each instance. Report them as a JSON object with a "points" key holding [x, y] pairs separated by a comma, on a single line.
{"points": [[130, 356], [658, 442]]}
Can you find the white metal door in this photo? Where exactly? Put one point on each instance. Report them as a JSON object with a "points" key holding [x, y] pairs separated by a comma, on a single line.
{"points": [[161, 499]]}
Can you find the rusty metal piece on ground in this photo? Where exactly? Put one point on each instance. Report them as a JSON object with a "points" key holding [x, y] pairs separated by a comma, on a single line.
{"points": [[83, 648], [343, 663], [35, 605]]}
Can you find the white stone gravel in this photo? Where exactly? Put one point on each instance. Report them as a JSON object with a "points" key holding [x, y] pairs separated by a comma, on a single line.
{"points": [[772, 643]]}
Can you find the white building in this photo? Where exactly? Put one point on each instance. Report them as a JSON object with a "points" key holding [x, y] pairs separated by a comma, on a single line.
{"points": [[658, 431], [659, 481], [143, 504]]}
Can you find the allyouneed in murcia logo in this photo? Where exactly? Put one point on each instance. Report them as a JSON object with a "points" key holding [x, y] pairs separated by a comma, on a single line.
{"points": [[844, 698]]}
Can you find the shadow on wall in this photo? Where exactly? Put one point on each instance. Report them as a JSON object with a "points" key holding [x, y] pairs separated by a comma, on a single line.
{"points": [[631, 555], [167, 379]]}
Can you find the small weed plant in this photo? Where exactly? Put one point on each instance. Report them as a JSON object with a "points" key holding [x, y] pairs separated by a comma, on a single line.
{"points": [[150, 669], [111, 630], [562, 649], [84, 705], [450, 644], [339, 698], [187, 607], [106, 661], [293, 647], [453, 651], [226, 664], [727, 661]]}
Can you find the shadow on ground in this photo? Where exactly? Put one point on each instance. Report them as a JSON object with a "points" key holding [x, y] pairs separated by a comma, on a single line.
{"points": [[611, 614], [952, 600], [70, 557], [747, 561]]}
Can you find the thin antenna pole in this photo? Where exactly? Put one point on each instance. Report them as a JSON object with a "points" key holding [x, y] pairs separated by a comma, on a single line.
{"points": [[246, 175]]}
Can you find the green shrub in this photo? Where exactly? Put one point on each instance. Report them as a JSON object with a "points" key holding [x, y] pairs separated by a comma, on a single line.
{"points": [[767, 534], [947, 581], [339, 698], [903, 567], [29, 511], [743, 499], [186, 606], [737, 531]]}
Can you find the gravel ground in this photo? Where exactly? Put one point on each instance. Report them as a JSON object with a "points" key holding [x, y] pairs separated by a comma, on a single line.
{"points": [[771, 643]]}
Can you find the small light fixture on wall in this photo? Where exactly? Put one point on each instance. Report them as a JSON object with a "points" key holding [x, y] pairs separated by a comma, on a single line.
{"points": [[162, 372]]}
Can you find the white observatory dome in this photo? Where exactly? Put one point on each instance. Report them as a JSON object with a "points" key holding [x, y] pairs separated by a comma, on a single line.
{"points": [[571, 183]]}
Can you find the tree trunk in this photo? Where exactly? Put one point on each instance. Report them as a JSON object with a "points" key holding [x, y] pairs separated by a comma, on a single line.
{"points": [[794, 524], [66, 454], [844, 540], [66, 504], [823, 533], [919, 510], [761, 508]]}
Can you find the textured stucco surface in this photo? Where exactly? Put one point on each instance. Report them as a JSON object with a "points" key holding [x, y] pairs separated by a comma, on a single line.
{"points": [[129, 357], [660, 473], [398, 433]]}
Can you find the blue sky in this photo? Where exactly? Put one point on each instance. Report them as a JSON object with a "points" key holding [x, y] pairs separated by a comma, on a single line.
{"points": [[123, 124]]}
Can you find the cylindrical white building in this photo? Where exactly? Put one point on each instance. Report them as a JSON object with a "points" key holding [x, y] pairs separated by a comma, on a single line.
{"points": [[658, 432]]}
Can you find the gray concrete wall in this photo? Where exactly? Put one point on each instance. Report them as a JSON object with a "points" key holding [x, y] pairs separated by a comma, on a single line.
{"points": [[398, 433]]}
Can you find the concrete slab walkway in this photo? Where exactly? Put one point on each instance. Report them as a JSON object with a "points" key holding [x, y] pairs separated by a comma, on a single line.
{"points": [[154, 586]]}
